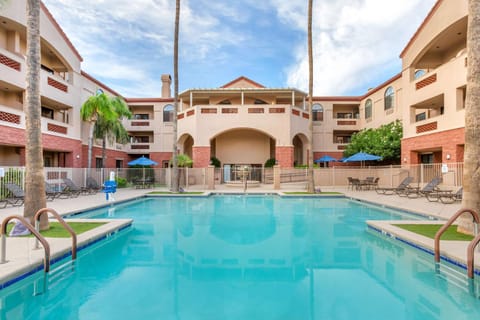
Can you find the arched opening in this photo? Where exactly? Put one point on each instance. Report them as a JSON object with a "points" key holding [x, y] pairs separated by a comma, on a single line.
{"points": [[242, 147], [300, 145], [185, 143]]}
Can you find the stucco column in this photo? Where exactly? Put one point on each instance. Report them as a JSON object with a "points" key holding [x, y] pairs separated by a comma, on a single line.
{"points": [[276, 177], [284, 156], [210, 174], [201, 157]]}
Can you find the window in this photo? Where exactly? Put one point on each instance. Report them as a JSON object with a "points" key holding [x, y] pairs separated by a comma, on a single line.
{"points": [[420, 116], [98, 163], [389, 97], [47, 113], [118, 164], [168, 113], [141, 116], [419, 73], [368, 109], [317, 112]]}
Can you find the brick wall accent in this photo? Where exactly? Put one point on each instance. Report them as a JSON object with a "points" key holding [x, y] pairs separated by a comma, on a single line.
{"points": [[425, 82], [284, 156], [295, 112], [160, 157], [450, 141], [276, 110], [10, 62], [56, 128], [427, 127], [57, 85], [201, 157], [9, 117]]}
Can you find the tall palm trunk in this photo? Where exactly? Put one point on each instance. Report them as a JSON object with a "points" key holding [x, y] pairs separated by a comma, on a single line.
{"points": [[311, 181], [175, 186], [471, 173], [35, 197], [90, 148]]}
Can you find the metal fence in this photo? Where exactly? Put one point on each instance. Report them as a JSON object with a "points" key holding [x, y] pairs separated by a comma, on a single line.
{"points": [[451, 174]]}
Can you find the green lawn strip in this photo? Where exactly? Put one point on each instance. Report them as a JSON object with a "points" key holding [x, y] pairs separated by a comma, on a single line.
{"points": [[429, 230], [169, 192], [56, 230], [304, 192]]}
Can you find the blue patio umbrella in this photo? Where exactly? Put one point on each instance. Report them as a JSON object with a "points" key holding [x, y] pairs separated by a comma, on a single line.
{"points": [[362, 156], [325, 158], [142, 161]]}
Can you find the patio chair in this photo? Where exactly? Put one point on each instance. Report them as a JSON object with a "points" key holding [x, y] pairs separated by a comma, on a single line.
{"points": [[16, 194], [391, 190], [73, 189], [445, 196], [53, 192], [92, 185], [415, 192]]}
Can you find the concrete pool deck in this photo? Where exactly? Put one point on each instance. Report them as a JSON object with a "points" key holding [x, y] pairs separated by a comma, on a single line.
{"points": [[22, 258]]}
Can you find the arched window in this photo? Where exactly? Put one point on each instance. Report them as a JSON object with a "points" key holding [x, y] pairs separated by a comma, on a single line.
{"points": [[368, 109], [259, 101], [317, 112], [389, 98], [419, 73], [168, 113], [226, 101]]}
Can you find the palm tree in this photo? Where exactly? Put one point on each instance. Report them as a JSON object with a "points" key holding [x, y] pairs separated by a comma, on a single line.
{"points": [[471, 173], [35, 197], [112, 129], [311, 182], [97, 106], [175, 186]]}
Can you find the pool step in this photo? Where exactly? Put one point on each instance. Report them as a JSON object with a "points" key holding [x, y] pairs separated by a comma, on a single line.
{"points": [[453, 275], [53, 278], [60, 273]]}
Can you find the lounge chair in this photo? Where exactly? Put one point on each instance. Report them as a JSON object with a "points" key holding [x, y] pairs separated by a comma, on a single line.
{"points": [[445, 196], [391, 190], [17, 195], [53, 192], [73, 189], [415, 192], [92, 185]]}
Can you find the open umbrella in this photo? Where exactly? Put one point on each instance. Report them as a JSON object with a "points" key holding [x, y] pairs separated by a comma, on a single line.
{"points": [[325, 158], [362, 156], [142, 161]]}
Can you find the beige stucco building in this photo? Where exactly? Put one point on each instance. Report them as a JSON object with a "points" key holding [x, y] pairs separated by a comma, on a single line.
{"points": [[241, 122]]}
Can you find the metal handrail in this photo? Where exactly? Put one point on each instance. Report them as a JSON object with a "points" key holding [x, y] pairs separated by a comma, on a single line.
{"points": [[26, 223], [470, 255], [62, 222], [476, 220]]}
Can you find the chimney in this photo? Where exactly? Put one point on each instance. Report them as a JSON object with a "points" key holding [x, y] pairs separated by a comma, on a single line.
{"points": [[166, 83]]}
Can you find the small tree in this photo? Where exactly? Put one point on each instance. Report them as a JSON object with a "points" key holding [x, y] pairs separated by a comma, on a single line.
{"points": [[97, 106], [112, 129], [384, 141]]}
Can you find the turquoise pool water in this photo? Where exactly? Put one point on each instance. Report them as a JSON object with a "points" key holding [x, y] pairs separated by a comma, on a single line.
{"points": [[244, 257]]}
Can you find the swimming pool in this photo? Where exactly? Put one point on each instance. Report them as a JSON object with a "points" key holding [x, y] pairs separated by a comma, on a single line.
{"points": [[244, 257]]}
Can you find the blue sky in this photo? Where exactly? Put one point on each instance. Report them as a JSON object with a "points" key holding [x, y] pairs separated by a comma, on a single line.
{"points": [[128, 44]]}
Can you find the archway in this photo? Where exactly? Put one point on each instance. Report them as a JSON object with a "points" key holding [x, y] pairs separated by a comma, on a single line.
{"points": [[300, 145], [185, 144]]}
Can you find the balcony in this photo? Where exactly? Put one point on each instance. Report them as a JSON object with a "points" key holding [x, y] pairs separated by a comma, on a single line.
{"points": [[138, 147], [12, 68], [138, 125], [55, 88]]}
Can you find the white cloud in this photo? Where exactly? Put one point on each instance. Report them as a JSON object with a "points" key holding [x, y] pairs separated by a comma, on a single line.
{"points": [[354, 41]]}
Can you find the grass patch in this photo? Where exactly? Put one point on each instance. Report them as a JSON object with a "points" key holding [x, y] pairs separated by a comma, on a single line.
{"points": [[58, 231], [169, 192], [305, 192], [429, 230]]}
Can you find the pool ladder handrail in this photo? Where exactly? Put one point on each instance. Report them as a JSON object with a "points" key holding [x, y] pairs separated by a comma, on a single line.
{"points": [[471, 246], [37, 216], [471, 255], [26, 223]]}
